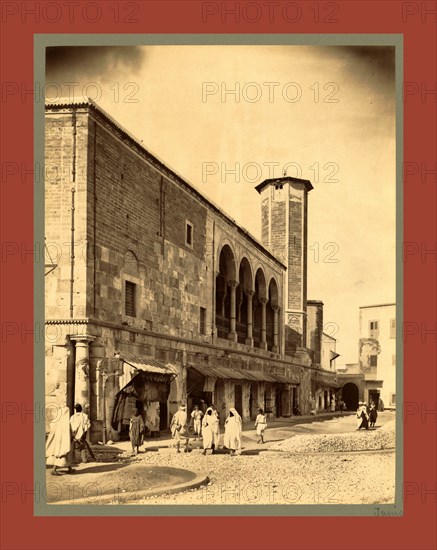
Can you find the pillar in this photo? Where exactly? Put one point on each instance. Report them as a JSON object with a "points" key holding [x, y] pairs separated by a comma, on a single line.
{"points": [[81, 370], [263, 323], [233, 332], [249, 336], [239, 304], [275, 328], [225, 292]]}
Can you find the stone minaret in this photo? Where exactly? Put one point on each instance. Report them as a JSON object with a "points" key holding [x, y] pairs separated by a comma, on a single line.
{"points": [[284, 215]]}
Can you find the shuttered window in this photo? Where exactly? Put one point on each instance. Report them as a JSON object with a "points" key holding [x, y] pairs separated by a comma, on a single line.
{"points": [[373, 329]]}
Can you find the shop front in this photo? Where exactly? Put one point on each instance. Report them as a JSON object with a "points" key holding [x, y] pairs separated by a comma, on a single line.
{"points": [[246, 390], [148, 392], [325, 392]]}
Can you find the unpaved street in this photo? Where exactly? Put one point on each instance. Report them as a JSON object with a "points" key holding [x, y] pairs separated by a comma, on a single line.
{"points": [[262, 475]]}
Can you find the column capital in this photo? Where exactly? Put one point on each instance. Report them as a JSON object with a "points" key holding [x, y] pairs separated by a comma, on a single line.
{"points": [[249, 293], [275, 307], [82, 338], [263, 301], [233, 284]]}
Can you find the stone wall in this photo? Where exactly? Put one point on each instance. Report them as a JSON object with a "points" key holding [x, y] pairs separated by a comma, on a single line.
{"points": [[141, 221], [315, 330], [66, 138]]}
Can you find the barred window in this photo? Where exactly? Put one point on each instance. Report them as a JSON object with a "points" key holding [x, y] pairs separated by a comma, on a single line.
{"points": [[373, 360], [129, 299]]}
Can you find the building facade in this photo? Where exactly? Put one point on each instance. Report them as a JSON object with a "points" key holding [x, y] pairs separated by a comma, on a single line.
{"points": [[377, 352], [159, 297], [373, 378]]}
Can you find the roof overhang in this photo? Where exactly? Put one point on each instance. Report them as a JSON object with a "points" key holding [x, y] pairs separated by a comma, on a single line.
{"points": [[226, 373], [305, 183]]}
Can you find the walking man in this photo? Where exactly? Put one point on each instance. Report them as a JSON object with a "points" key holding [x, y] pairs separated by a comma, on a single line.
{"points": [[179, 429], [79, 425]]}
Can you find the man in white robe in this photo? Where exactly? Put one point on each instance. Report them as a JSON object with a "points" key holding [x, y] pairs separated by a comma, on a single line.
{"points": [[233, 430]]}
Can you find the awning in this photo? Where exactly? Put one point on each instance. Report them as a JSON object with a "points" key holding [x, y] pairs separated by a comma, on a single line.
{"points": [[226, 373], [294, 379], [327, 384], [148, 364]]}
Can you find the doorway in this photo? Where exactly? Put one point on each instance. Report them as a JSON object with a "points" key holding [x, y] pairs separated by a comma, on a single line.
{"points": [[374, 396], [239, 399], [350, 396]]}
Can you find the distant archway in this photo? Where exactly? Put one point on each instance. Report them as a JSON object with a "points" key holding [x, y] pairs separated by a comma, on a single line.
{"points": [[350, 395]]}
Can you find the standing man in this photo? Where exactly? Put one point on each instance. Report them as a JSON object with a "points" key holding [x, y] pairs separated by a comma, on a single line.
{"points": [[261, 425], [197, 415], [216, 426], [178, 427], [79, 425]]}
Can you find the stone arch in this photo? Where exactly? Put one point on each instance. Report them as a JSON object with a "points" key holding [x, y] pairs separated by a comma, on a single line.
{"points": [[259, 303], [260, 284], [350, 395], [226, 276], [226, 263], [130, 264], [273, 292], [272, 313], [245, 277], [244, 292]]}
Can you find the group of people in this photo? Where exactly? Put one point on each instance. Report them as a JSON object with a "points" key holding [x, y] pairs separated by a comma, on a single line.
{"points": [[207, 425], [67, 434], [366, 416]]}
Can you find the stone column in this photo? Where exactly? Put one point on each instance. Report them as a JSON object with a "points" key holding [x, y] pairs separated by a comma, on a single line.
{"points": [[249, 336], [225, 292], [239, 304], [275, 328], [81, 371], [233, 333], [263, 323]]}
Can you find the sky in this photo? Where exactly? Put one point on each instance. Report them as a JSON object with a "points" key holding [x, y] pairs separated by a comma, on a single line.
{"points": [[227, 117]]}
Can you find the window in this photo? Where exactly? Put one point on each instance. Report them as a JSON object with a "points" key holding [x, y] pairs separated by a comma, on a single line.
{"points": [[202, 320], [392, 328], [373, 329], [129, 299], [373, 360], [393, 399], [277, 192], [189, 234]]}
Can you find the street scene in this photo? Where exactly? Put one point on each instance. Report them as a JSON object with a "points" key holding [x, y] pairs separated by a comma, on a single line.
{"points": [[308, 461], [217, 336]]}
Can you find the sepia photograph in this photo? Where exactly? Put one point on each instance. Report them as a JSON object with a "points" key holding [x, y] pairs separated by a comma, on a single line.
{"points": [[220, 232]]}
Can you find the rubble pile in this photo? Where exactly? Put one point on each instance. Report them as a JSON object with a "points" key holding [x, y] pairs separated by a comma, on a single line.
{"points": [[363, 440]]}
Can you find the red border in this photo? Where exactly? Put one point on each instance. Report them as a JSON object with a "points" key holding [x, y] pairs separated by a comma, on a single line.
{"points": [[415, 530]]}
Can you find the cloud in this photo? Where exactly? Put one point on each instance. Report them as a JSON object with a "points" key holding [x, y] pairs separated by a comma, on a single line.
{"points": [[97, 63]]}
